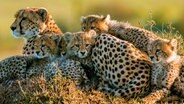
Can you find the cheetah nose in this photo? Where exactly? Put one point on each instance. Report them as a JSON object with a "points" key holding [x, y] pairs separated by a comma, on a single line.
{"points": [[151, 57], [82, 53], [13, 28], [37, 52]]}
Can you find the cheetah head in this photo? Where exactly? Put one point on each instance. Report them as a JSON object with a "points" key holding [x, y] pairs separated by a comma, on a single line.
{"points": [[163, 50], [47, 46], [29, 22], [79, 44], [95, 22]]}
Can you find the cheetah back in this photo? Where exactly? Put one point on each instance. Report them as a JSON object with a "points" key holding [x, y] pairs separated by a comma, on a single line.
{"points": [[138, 36], [121, 64]]}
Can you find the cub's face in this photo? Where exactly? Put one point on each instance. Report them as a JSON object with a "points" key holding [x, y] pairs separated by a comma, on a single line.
{"points": [[29, 22], [79, 44], [95, 22], [163, 51], [47, 46]]}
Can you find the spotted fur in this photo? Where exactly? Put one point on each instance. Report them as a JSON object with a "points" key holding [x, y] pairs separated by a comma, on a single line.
{"points": [[48, 65], [140, 37], [31, 23], [166, 69], [122, 69]]}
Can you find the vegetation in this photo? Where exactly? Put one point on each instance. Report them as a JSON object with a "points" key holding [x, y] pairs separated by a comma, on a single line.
{"points": [[149, 15], [58, 90]]}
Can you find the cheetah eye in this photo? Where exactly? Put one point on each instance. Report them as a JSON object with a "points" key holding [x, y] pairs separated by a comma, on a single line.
{"points": [[77, 45], [92, 27], [158, 50], [83, 28], [87, 45]]}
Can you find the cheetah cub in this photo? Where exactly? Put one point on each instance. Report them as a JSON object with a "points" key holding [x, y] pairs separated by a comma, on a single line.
{"points": [[49, 64], [19, 67], [140, 37], [178, 86], [166, 68]]}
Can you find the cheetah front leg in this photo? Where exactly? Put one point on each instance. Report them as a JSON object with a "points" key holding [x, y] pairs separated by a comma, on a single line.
{"points": [[171, 74], [156, 73], [168, 79], [155, 96]]}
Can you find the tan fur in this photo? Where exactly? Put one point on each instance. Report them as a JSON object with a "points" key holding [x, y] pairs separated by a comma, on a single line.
{"points": [[166, 69], [82, 42], [31, 23], [49, 63], [140, 37], [117, 63], [37, 20], [162, 50], [178, 86]]}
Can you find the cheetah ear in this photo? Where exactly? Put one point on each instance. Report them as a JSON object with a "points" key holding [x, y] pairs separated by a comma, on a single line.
{"points": [[106, 18], [19, 13], [82, 18], [173, 43], [93, 34], [43, 13], [68, 36], [56, 38]]}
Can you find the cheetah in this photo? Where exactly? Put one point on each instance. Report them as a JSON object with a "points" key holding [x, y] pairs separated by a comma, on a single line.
{"points": [[166, 69], [178, 86], [140, 37], [32, 22], [26, 66], [14, 67], [50, 64], [122, 69]]}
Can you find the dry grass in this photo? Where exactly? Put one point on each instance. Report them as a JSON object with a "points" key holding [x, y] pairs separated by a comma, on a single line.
{"points": [[55, 91], [58, 90]]}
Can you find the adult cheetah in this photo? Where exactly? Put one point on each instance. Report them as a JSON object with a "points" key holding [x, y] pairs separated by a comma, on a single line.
{"points": [[32, 22], [123, 70]]}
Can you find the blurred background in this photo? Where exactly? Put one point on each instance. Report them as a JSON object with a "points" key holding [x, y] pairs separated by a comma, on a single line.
{"points": [[67, 15]]}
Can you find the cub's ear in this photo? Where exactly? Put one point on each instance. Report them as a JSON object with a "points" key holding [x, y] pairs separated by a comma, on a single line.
{"points": [[68, 36], [82, 18], [173, 43], [106, 18], [43, 13], [93, 33], [57, 39]]}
